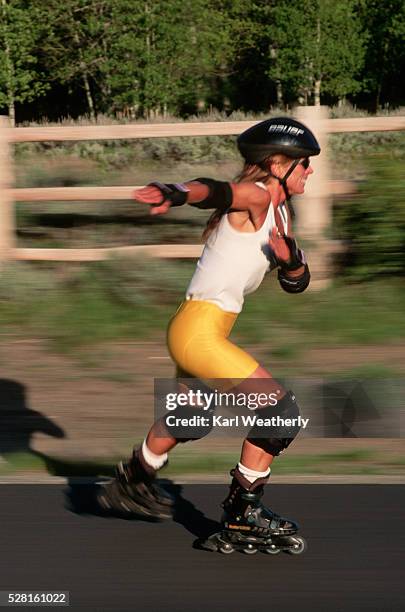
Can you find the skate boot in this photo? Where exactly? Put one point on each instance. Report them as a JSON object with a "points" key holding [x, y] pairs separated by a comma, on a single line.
{"points": [[134, 492], [248, 526]]}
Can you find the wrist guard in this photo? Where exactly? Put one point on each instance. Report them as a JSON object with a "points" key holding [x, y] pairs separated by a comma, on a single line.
{"points": [[297, 284], [176, 193], [297, 256], [220, 195]]}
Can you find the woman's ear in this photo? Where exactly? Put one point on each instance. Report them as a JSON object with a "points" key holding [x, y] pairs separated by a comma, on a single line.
{"points": [[274, 167]]}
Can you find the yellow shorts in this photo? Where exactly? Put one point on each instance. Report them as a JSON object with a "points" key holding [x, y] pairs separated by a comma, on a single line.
{"points": [[197, 339]]}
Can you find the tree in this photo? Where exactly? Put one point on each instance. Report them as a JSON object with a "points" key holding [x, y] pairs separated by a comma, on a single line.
{"points": [[20, 30], [385, 23], [316, 47], [75, 48], [246, 64], [163, 54]]}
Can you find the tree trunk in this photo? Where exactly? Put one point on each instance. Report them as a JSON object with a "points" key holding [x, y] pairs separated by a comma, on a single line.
{"points": [[279, 87], [317, 92], [147, 112], [383, 60], [378, 96], [9, 69], [85, 76], [106, 81], [89, 96], [279, 93], [11, 113], [318, 79]]}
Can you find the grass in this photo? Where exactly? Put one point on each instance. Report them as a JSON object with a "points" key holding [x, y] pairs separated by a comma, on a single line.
{"points": [[367, 371], [82, 305], [342, 314], [217, 464]]}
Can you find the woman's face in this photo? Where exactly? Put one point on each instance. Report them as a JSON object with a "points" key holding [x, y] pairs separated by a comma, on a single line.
{"points": [[297, 179]]}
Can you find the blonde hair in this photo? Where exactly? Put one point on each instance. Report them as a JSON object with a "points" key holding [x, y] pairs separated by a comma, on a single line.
{"points": [[250, 173]]}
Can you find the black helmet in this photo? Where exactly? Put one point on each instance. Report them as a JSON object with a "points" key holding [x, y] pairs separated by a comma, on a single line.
{"points": [[277, 135]]}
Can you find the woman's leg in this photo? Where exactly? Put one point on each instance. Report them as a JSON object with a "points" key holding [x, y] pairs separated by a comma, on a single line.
{"points": [[253, 456], [157, 440]]}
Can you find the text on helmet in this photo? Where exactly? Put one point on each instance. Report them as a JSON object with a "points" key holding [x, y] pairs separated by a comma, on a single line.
{"points": [[288, 129]]}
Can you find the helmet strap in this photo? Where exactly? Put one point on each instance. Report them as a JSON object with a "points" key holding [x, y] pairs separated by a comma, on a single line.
{"points": [[283, 180], [291, 209]]}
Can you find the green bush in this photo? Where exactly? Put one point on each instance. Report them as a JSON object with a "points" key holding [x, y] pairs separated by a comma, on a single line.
{"points": [[79, 304], [141, 280], [22, 284], [373, 222]]}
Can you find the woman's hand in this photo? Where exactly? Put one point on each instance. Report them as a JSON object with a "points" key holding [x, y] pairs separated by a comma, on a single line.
{"points": [[152, 195], [279, 246]]}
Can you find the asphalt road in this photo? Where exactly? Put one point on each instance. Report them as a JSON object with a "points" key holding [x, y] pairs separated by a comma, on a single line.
{"points": [[52, 539]]}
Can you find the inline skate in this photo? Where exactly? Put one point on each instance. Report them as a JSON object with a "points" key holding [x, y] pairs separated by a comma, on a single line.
{"points": [[134, 492], [249, 527]]}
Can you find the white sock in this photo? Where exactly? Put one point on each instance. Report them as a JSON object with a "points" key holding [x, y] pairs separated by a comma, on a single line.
{"points": [[155, 461], [252, 475]]}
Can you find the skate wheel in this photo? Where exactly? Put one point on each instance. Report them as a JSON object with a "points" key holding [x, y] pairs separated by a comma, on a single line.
{"points": [[297, 547], [226, 548], [250, 550], [272, 550]]}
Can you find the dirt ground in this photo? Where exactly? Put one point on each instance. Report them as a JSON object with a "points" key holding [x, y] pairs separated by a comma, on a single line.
{"points": [[94, 405]]}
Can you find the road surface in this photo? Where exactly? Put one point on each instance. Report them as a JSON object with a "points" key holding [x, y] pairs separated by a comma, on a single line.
{"points": [[51, 538]]}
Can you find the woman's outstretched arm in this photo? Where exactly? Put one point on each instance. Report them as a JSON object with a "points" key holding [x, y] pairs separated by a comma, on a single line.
{"points": [[208, 194]]}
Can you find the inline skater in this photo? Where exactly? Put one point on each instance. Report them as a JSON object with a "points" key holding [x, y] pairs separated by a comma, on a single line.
{"points": [[248, 234]]}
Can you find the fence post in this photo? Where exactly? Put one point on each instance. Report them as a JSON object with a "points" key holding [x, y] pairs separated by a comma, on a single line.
{"points": [[7, 221], [314, 208]]}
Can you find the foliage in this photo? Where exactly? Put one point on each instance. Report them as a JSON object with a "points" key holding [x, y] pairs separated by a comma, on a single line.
{"points": [[75, 45], [142, 58], [317, 61], [384, 23], [374, 222], [20, 31], [74, 304], [165, 54], [83, 304]]}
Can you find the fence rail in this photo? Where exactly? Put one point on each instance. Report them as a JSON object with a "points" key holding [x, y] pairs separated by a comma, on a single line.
{"points": [[164, 251], [8, 195], [71, 194], [166, 130]]}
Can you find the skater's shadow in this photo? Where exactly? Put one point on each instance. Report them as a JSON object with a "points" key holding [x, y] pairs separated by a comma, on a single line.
{"points": [[82, 499], [18, 423], [186, 514]]}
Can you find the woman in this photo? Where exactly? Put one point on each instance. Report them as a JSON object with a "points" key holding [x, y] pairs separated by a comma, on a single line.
{"points": [[248, 234]]}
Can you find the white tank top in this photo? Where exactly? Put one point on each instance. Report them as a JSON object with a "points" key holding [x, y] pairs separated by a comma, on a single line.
{"points": [[233, 263]]}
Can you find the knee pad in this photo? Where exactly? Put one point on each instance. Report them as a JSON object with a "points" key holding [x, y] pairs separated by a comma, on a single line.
{"points": [[279, 437], [187, 423]]}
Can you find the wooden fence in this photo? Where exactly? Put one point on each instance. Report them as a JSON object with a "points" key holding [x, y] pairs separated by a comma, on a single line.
{"points": [[312, 220]]}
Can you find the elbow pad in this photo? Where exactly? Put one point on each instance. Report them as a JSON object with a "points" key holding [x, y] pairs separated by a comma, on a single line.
{"points": [[220, 195], [294, 285]]}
